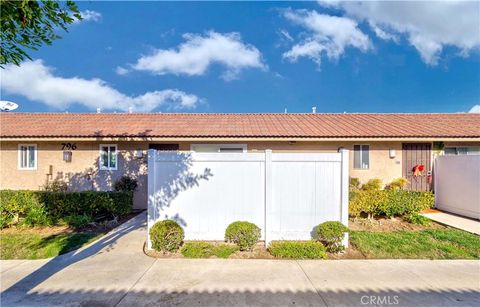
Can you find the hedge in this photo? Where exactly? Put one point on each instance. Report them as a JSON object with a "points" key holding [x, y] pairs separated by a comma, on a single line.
{"points": [[297, 250], [44, 207], [389, 203]]}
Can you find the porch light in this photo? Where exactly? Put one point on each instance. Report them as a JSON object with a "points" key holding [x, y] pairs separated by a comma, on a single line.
{"points": [[139, 153], [392, 153], [67, 156]]}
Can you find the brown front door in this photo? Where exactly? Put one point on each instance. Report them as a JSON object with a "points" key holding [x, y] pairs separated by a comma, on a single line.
{"points": [[416, 154]]}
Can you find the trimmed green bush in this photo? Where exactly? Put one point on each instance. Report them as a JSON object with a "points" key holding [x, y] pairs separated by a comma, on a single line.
{"points": [[389, 203], [297, 249], [354, 184], [419, 219], [397, 184], [224, 250], [36, 216], [244, 234], [331, 234], [78, 221], [373, 184], [202, 249], [166, 236], [197, 249], [16, 206]]}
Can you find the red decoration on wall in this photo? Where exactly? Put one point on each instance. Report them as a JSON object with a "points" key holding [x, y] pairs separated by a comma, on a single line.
{"points": [[418, 169]]}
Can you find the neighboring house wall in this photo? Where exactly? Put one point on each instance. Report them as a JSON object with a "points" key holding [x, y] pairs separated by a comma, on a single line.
{"points": [[82, 173], [85, 161]]}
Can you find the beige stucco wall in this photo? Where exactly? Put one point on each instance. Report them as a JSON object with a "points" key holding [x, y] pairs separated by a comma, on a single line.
{"points": [[83, 172], [80, 174]]}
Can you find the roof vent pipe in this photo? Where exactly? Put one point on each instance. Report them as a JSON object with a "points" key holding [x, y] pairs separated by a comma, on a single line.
{"points": [[314, 110], [99, 110], [130, 109]]}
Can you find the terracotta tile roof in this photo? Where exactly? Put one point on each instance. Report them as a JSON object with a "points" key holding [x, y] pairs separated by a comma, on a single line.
{"points": [[456, 125]]}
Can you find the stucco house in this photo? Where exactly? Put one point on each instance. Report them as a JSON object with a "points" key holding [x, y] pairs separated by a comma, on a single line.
{"points": [[90, 151]]}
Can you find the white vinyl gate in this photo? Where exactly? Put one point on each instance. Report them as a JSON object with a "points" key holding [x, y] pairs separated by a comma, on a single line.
{"points": [[285, 194], [457, 184]]}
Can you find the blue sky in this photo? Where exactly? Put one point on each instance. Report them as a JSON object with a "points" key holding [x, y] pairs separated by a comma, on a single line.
{"points": [[257, 57]]}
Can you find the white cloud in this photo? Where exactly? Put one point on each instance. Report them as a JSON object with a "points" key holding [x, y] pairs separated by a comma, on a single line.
{"points": [[428, 26], [383, 34], [122, 71], [475, 109], [89, 15], [286, 35], [198, 52], [329, 35], [37, 82]]}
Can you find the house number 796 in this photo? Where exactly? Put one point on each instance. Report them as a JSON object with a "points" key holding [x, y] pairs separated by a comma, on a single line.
{"points": [[69, 146]]}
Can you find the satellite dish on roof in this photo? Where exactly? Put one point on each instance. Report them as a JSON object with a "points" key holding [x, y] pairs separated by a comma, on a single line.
{"points": [[6, 106]]}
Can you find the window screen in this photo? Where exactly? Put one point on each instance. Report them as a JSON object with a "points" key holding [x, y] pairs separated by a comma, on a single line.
{"points": [[361, 156]]}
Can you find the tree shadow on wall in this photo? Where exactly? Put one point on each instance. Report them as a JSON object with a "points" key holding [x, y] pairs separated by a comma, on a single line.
{"points": [[174, 177]]}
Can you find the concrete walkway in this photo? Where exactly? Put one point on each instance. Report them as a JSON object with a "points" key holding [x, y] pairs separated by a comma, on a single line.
{"points": [[114, 272], [456, 221]]}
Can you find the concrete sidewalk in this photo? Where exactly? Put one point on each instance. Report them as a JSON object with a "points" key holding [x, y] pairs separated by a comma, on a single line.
{"points": [[114, 271], [453, 220]]}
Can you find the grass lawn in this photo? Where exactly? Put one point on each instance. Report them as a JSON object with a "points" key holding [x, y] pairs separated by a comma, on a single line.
{"points": [[444, 243], [38, 246]]}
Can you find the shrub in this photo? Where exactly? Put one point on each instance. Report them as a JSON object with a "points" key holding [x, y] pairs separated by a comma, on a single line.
{"points": [[331, 234], [297, 249], [366, 202], [78, 221], [166, 236], [56, 186], [244, 234], [16, 205], [354, 184], [372, 185], [419, 219], [125, 184], [389, 203], [36, 216], [197, 250], [201, 249], [224, 250], [397, 184]]}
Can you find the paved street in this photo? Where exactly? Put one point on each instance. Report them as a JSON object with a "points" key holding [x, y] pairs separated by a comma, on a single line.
{"points": [[114, 271]]}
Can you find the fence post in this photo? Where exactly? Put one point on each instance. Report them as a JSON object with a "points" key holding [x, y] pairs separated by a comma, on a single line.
{"points": [[268, 193], [151, 203], [344, 191]]}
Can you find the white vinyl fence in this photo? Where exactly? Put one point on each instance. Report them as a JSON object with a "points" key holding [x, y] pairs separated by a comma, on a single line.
{"points": [[457, 184], [285, 194]]}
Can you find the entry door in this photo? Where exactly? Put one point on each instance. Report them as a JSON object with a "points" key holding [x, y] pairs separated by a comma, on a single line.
{"points": [[416, 154]]}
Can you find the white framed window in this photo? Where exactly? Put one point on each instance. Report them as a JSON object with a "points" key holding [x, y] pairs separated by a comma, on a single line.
{"points": [[218, 147], [27, 156], [472, 150], [108, 157], [361, 156]]}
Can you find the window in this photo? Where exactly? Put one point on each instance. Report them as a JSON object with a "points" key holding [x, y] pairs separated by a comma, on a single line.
{"points": [[108, 157], [462, 151], [361, 156], [219, 147], [27, 156]]}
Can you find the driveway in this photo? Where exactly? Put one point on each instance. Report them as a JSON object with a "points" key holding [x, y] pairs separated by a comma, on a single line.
{"points": [[114, 271]]}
